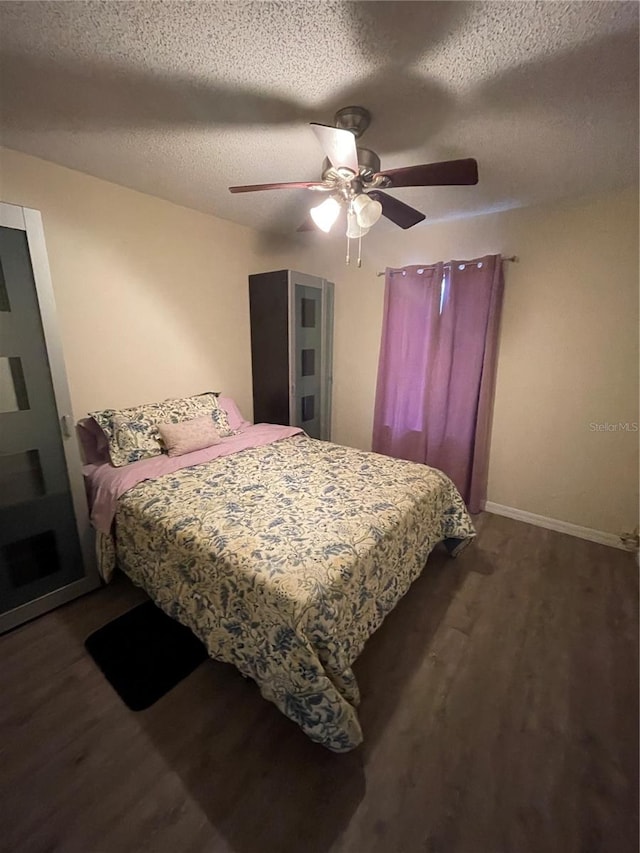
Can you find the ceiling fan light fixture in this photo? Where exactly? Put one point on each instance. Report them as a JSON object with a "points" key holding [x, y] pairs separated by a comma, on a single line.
{"points": [[367, 210], [352, 180], [354, 229], [325, 214]]}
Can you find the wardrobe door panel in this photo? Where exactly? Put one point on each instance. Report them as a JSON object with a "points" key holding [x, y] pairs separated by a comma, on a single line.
{"points": [[268, 305], [40, 547], [307, 358], [327, 359]]}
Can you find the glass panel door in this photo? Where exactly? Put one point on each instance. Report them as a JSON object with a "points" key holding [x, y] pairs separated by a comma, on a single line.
{"points": [[39, 544], [308, 359]]}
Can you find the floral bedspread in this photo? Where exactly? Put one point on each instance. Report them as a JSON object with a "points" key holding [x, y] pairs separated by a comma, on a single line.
{"points": [[285, 558]]}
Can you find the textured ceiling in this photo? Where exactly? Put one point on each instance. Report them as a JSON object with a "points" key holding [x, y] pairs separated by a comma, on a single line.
{"points": [[181, 100]]}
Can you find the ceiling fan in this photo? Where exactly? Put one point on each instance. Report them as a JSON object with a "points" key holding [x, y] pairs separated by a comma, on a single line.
{"points": [[352, 179]]}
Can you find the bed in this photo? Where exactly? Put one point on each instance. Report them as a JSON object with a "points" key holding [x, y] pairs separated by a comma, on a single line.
{"points": [[282, 553]]}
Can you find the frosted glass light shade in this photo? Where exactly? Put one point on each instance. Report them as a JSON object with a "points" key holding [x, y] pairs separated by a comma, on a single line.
{"points": [[353, 229], [325, 214], [367, 210]]}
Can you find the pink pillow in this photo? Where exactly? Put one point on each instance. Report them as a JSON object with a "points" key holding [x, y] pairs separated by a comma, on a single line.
{"points": [[236, 421], [187, 436], [94, 444]]}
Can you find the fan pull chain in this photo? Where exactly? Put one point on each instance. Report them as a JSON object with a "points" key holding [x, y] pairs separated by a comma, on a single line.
{"points": [[360, 248], [348, 245]]}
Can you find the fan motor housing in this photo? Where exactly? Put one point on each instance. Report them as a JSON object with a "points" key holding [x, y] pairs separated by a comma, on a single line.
{"points": [[368, 161], [355, 119]]}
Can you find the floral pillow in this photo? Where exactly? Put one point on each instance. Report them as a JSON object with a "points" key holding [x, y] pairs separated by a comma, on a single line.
{"points": [[186, 408], [133, 434], [221, 421]]}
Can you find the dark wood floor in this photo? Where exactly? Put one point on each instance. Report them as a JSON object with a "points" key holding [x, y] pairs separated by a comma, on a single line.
{"points": [[500, 711]]}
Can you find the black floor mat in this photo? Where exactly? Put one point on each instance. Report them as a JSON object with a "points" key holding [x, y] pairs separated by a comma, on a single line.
{"points": [[144, 653]]}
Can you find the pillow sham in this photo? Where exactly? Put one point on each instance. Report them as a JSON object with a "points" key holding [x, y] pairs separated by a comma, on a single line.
{"points": [[221, 421], [135, 438], [236, 422], [93, 442], [186, 408], [132, 434], [187, 436]]}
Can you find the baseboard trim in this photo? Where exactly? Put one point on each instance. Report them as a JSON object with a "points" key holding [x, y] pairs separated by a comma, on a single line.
{"points": [[598, 536]]}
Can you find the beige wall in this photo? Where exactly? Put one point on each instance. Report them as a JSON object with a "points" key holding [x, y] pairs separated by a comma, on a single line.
{"points": [[568, 349], [152, 298], [153, 302]]}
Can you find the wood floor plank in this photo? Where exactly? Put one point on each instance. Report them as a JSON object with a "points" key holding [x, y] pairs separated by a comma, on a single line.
{"points": [[499, 706]]}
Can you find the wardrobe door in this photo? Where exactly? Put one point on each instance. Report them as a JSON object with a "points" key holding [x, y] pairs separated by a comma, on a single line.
{"points": [[327, 361], [41, 555], [306, 353], [269, 311]]}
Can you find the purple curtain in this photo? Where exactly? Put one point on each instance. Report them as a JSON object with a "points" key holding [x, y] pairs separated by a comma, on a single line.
{"points": [[437, 369]]}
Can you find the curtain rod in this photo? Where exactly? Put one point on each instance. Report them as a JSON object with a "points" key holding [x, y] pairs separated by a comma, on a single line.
{"points": [[514, 259]]}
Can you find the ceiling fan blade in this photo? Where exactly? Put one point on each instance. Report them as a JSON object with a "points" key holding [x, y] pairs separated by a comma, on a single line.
{"points": [[447, 174], [339, 145], [397, 211], [294, 185]]}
